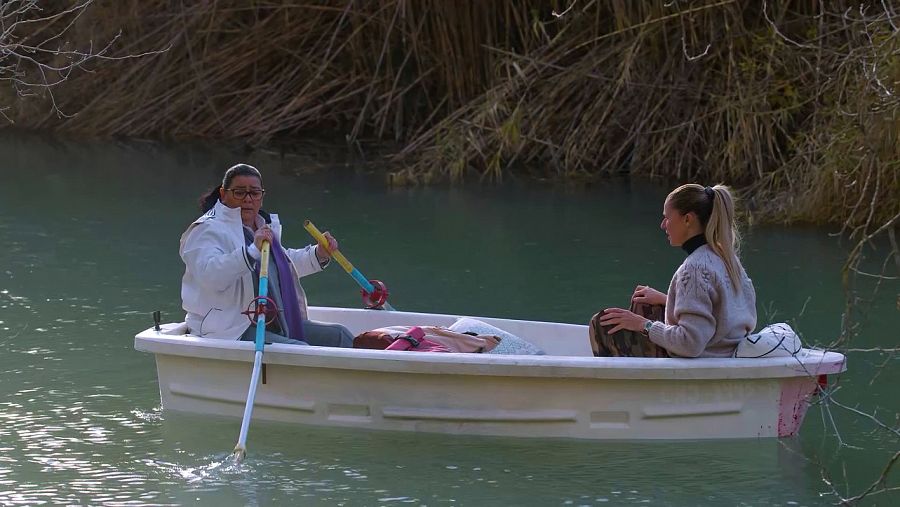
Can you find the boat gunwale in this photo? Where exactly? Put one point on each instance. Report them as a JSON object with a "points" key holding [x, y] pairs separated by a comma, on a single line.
{"points": [[814, 362]]}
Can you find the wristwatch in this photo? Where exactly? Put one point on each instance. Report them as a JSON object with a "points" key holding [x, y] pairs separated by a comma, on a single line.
{"points": [[647, 327]]}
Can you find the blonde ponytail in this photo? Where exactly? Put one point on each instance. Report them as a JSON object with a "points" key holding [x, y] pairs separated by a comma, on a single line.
{"points": [[722, 234], [714, 206]]}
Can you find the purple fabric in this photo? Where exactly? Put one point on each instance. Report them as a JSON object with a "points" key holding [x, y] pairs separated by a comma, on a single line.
{"points": [[290, 304]]}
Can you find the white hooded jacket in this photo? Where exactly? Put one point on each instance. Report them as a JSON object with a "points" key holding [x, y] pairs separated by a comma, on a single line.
{"points": [[218, 276]]}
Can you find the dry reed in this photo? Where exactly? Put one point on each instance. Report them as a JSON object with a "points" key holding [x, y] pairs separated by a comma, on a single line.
{"points": [[794, 101]]}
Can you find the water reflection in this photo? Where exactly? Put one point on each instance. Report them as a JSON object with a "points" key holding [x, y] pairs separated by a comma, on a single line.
{"points": [[353, 467], [90, 249], [165, 458]]}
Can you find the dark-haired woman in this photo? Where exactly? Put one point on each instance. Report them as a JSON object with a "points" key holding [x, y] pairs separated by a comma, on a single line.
{"points": [[221, 253], [711, 302]]}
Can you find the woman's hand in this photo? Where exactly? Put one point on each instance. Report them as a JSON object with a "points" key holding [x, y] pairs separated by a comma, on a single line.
{"points": [[324, 254], [648, 296], [262, 234], [622, 319]]}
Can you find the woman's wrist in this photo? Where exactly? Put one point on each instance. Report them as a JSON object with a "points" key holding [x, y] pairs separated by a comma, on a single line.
{"points": [[323, 259], [645, 329]]}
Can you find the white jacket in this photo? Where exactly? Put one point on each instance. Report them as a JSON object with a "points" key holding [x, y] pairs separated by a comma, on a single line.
{"points": [[218, 273]]}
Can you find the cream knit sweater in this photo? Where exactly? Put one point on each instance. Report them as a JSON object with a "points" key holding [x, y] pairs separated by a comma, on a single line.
{"points": [[704, 315]]}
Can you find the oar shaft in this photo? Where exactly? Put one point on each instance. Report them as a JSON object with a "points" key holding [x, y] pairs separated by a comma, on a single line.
{"points": [[263, 292], [248, 408], [264, 260], [339, 257], [241, 446]]}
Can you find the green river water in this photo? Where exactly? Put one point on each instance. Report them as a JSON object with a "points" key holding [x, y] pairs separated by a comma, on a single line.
{"points": [[89, 237]]}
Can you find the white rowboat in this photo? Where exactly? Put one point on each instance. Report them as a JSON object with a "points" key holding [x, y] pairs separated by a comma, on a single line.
{"points": [[567, 393]]}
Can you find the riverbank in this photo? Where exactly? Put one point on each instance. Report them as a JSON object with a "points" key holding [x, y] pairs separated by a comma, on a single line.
{"points": [[794, 103]]}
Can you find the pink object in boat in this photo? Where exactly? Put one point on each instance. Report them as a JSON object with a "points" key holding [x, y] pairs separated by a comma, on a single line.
{"points": [[415, 340]]}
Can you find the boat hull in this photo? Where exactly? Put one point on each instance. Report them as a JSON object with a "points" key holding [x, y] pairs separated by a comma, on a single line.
{"points": [[552, 396]]}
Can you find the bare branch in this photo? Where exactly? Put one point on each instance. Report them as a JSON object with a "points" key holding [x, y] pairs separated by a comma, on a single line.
{"points": [[890, 15], [871, 417], [871, 490], [691, 58], [765, 10], [563, 13], [35, 67]]}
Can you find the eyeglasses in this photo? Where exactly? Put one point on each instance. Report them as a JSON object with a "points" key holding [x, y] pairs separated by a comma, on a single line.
{"points": [[240, 193]]}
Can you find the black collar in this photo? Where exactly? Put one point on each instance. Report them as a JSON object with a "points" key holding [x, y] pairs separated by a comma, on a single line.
{"points": [[694, 243]]}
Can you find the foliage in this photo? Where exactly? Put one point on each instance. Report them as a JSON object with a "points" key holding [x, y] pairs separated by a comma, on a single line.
{"points": [[795, 101]]}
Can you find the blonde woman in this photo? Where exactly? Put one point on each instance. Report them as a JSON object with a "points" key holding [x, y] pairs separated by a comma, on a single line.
{"points": [[711, 303]]}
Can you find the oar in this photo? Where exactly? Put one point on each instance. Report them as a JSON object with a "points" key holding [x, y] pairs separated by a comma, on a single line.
{"points": [[363, 282], [240, 450]]}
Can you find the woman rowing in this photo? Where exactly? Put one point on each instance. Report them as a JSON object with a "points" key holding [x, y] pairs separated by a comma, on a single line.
{"points": [[221, 253]]}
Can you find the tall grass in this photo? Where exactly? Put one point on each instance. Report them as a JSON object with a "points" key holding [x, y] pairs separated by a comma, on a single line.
{"points": [[795, 101]]}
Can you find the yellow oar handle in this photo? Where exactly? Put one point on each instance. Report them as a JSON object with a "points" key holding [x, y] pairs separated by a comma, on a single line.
{"points": [[320, 238], [264, 260], [336, 255]]}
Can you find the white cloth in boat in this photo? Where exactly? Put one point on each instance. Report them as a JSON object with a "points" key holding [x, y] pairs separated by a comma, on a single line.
{"points": [[774, 340], [509, 343]]}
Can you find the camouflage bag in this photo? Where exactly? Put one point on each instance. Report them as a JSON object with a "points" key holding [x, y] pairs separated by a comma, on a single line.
{"points": [[626, 343]]}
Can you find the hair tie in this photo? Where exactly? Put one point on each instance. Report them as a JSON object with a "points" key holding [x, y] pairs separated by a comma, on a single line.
{"points": [[709, 193]]}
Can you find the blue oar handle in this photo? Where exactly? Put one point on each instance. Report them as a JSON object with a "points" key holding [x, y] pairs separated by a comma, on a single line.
{"points": [[361, 280], [263, 292]]}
